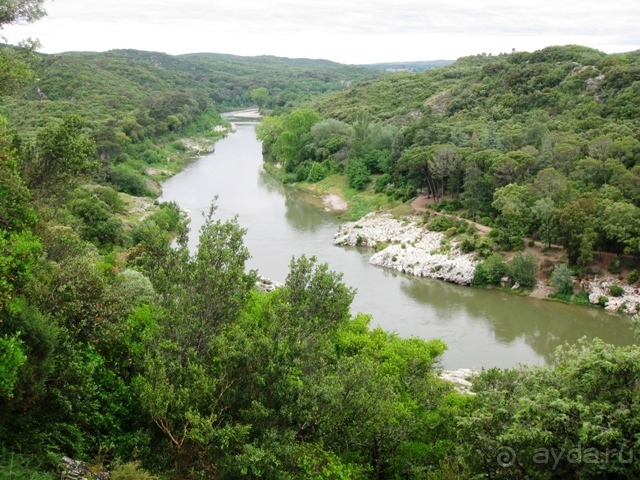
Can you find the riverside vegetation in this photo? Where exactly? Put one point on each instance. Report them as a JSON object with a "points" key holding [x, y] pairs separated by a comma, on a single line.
{"points": [[538, 147], [128, 351]]}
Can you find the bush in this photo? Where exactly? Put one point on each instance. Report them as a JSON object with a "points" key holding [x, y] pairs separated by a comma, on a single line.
{"points": [[602, 301], [633, 277], [523, 269], [581, 298], [302, 172], [490, 271], [484, 246], [357, 174], [128, 181], [562, 279], [614, 266], [109, 196], [467, 245], [316, 173], [616, 291], [441, 223]]}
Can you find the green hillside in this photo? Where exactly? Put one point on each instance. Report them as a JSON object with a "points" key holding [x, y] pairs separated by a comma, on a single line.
{"points": [[520, 142], [139, 105]]}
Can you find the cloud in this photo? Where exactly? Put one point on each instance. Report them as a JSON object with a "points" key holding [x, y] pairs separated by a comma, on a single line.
{"points": [[335, 29]]}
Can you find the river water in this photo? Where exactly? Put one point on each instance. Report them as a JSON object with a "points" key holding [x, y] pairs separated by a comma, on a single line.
{"points": [[482, 328]]}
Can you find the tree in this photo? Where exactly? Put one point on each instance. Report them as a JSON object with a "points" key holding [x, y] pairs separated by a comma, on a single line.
{"points": [[16, 64], [512, 201], [260, 96], [61, 153], [444, 160], [357, 174], [295, 136], [549, 183], [562, 279], [477, 192], [523, 268], [20, 11], [573, 227], [542, 209]]}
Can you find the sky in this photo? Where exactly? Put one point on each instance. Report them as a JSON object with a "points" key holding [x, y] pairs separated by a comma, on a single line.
{"points": [[346, 31]]}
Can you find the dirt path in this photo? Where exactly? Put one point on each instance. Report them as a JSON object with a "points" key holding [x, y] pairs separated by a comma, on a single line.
{"points": [[419, 204]]}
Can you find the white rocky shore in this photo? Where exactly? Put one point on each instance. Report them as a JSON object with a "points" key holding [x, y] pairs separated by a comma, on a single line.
{"points": [[411, 249], [265, 284], [600, 286], [460, 378]]}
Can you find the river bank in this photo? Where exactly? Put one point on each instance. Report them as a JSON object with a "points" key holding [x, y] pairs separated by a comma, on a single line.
{"points": [[405, 244]]}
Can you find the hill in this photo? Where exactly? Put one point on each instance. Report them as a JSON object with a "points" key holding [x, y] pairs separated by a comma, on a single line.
{"points": [[138, 105], [523, 142]]}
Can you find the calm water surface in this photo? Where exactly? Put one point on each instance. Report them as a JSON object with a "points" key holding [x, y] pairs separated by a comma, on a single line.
{"points": [[482, 328]]}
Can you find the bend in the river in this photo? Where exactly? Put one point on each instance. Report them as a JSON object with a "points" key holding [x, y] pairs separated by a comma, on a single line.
{"points": [[482, 328]]}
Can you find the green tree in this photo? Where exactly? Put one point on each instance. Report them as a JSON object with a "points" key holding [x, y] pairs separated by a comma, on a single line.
{"points": [[11, 359], [562, 279], [513, 204], [296, 135], [61, 153], [523, 268], [260, 96], [573, 227], [542, 210]]}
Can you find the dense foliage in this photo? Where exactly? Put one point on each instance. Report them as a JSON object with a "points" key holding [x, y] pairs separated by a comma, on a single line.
{"points": [[543, 144], [128, 350]]}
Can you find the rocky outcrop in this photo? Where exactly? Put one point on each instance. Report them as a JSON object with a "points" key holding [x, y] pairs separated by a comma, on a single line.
{"points": [[77, 470], [265, 284], [200, 146], [600, 286], [460, 378], [410, 248]]}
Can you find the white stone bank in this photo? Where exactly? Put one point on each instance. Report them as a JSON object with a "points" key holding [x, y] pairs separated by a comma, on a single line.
{"points": [[411, 249]]}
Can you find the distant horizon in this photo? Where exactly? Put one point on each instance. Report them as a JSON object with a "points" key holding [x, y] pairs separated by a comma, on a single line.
{"points": [[452, 60], [353, 32]]}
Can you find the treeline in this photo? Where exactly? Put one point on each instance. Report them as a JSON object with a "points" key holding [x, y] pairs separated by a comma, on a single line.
{"points": [[137, 355], [153, 361], [543, 145], [140, 105]]}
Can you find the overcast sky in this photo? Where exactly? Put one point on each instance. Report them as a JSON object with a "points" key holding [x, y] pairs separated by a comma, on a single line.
{"points": [[347, 31]]}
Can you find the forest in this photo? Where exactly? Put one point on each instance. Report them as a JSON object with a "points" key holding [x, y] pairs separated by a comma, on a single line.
{"points": [[540, 146], [122, 348]]}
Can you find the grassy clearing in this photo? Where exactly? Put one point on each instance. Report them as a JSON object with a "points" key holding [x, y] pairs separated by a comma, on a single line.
{"points": [[360, 202]]}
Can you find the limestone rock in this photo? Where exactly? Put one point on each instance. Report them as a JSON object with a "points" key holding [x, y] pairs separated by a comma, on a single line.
{"points": [[77, 470], [265, 284], [411, 249], [460, 379]]}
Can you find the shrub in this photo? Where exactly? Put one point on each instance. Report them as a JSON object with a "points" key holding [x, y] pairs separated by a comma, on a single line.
{"points": [[302, 172], [316, 173], [602, 301], [441, 223], [490, 271], [581, 298], [484, 246], [467, 245], [128, 181], [562, 278], [523, 269], [614, 266], [357, 174], [633, 277], [616, 290]]}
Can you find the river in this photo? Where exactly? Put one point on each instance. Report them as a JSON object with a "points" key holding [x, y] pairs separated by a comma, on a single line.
{"points": [[482, 328]]}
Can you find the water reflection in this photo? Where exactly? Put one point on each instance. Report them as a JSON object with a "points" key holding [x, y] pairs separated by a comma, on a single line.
{"points": [[482, 328]]}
